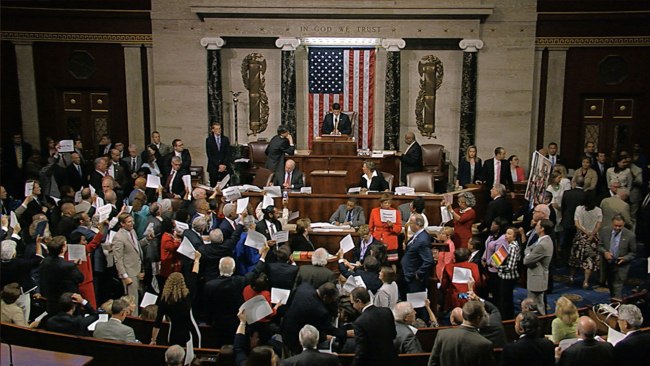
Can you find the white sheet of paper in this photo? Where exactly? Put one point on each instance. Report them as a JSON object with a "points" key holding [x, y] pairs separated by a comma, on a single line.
{"points": [[153, 181], [231, 194], [148, 299], [354, 190], [56, 200], [29, 188], [347, 244], [186, 248], [242, 160], [13, 220], [461, 275], [267, 201], [416, 299], [242, 204], [255, 240], [280, 236], [76, 251], [92, 190], [273, 191], [222, 183], [103, 318], [388, 215], [187, 180], [77, 197], [181, 226], [66, 146], [128, 209], [256, 308], [251, 188], [448, 197], [189, 351], [104, 212], [352, 283], [445, 214], [109, 237], [99, 202], [404, 191], [279, 295], [293, 215], [648, 264], [614, 336], [149, 229], [112, 223], [306, 190]]}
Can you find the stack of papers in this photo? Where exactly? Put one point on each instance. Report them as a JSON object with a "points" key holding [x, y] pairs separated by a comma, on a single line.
{"points": [[404, 191]]}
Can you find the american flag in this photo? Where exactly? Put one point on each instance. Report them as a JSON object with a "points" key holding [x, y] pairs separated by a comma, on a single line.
{"points": [[344, 76]]}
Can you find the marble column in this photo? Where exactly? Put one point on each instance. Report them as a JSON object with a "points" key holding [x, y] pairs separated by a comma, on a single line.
{"points": [[470, 49], [134, 87], [554, 107], [215, 97], [392, 90], [288, 86], [27, 91]]}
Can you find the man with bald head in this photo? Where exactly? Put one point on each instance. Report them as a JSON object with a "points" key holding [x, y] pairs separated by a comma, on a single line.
{"points": [[140, 185], [411, 158], [292, 177], [66, 224], [588, 351]]}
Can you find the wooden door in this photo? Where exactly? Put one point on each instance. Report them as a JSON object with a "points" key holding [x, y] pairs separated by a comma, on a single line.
{"points": [[85, 113], [610, 122]]}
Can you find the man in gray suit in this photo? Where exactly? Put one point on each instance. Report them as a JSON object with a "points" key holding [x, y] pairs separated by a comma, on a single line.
{"points": [[406, 341], [113, 329], [463, 345], [616, 205], [618, 247], [128, 256], [349, 214], [537, 258]]}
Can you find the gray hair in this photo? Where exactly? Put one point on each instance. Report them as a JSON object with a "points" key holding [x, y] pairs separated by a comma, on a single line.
{"points": [[402, 310], [308, 336], [199, 224], [319, 258], [175, 355], [631, 314], [501, 189], [216, 236], [469, 198], [97, 161], [176, 159], [8, 250], [166, 205], [228, 209], [226, 266], [196, 193], [418, 220]]}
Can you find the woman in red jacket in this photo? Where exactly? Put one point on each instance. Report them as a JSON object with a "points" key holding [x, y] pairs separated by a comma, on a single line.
{"points": [[87, 288], [386, 231], [464, 217], [170, 260]]}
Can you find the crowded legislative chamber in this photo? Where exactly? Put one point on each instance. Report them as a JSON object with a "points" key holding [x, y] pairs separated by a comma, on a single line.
{"points": [[405, 182]]}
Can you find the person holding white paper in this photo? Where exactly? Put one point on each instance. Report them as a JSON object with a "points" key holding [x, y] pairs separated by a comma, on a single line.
{"points": [[386, 231], [260, 287], [269, 226], [32, 205], [70, 319], [175, 303], [417, 262], [87, 288], [453, 283], [241, 346]]}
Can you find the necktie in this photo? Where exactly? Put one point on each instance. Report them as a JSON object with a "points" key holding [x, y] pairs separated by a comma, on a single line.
{"points": [[133, 164], [349, 216], [497, 171], [336, 122], [19, 156], [170, 180], [218, 142], [287, 180], [646, 201], [79, 170], [614, 244], [135, 242]]}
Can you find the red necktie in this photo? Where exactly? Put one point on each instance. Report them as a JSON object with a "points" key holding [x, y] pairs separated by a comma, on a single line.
{"points": [[287, 181]]}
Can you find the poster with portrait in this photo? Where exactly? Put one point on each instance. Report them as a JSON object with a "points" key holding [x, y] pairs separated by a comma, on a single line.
{"points": [[540, 170]]}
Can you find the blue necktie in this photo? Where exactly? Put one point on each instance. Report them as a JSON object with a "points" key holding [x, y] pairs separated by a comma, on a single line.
{"points": [[349, 217], [615, 244]]}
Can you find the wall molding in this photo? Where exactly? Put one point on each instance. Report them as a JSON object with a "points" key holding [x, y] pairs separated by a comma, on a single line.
{"points": [[77, 37], [592, 41]]}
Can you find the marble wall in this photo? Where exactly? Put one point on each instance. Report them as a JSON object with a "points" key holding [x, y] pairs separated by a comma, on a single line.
{"points": [[505, 67]]}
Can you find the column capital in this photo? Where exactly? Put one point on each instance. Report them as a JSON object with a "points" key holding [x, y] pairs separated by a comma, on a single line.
{"points": [[470, 45], [287, 43], [393, 44], [212, 43]]}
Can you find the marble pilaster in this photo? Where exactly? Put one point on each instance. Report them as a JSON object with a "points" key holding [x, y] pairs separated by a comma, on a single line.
{"points": [[215, 97], [27, 91], [392, 93], [470, 49], [288, 83]]}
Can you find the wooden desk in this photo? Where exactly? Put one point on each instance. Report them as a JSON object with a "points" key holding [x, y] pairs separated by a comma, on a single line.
{"points": [[327, 181], [334, 145], [352, 163], [34, 356]]}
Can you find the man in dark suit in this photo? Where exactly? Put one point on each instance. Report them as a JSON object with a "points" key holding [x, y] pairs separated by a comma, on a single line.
{"points": [[349, 214], [411, 158], [133, 162], [501, 166], [76, 173], [601, 167], [553, 155], [310, 356], [65, 321], [374, 332], [282, 274], [14, 158], [181, 152], [280, 144], [105, 145], [174, 186], [417, 261], [463, 345], [217, 148], [571, 199], [268, 226], [529, 348], [498, 207], [633, 350], [369, 274], [218, 248], [290, 178], [337, 123], [311, 306], [316, 274], [119, 173], [618, 248], [57, 274], [228, 225], [588, 351], [96, 176]]}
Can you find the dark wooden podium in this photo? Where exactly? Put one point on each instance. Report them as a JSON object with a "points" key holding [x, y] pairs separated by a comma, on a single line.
{"points": [[328, 181], [334, 145]]}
